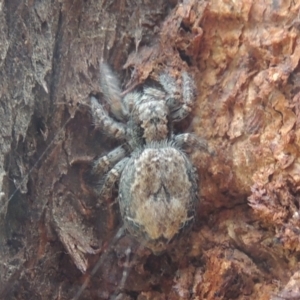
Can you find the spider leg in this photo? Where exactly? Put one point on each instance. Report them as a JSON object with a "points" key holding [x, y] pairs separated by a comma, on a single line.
{"points": [[188, 94], [106, 123], [189, 142], [154, 93], [106, 162], [170, 86], [112, 176], [111, 91]]}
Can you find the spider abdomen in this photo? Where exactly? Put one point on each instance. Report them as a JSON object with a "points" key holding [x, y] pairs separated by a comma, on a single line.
{"points": [[158, 194]]}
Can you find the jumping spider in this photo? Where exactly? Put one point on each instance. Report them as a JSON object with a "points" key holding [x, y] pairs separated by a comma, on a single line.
{"points": [[158, 185]]}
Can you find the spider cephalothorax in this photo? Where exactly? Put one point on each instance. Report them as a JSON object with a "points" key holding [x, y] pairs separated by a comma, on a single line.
{"points": [[158, 185]]}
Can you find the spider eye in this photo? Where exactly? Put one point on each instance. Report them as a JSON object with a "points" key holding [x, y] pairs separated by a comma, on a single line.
{"points": [[154, 120]]}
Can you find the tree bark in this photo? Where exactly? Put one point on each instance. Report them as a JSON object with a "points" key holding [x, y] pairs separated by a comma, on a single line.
{"points": [[57, 240]]}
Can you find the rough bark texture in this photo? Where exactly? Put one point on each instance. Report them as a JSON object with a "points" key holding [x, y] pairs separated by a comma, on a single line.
{"points": [[244, 56]]}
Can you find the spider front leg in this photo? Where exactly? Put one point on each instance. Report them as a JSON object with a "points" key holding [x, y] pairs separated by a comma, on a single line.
{"points": [[106, 123], [189, 142], [112, 176], [189, 97], [170, 86], [111, 91]]}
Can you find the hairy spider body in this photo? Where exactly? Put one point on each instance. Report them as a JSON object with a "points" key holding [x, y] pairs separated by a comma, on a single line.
{"points": [[158, 185]]}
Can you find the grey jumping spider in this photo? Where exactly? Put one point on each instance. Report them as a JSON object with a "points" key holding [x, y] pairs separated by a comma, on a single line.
{"points": [[158, 185]]}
